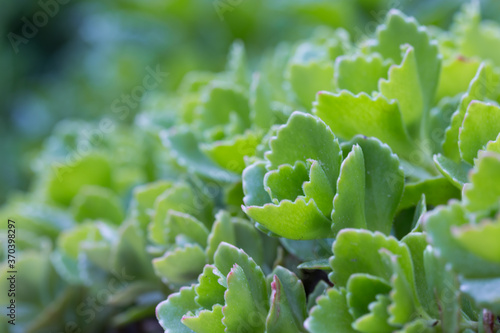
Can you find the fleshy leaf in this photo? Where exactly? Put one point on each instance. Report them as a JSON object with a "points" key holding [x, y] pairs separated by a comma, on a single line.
{"points": [[455, 172], [443, 285], [294, 220], [437, 191], [229, 154], [145, 197], [187, 227], [481, 239], [481, 124], [384, 181], [357, 251], [305, 138], [220, 101], [349, 203], [67, 180], [349, 115], [456, 74], [439, 225], [181, 198], [362, 290], [97, 203], [208, 290], [285, 183], [253, 185], [185, 148], [260, 102], [181, 266], [307, 79], [228, 255], [206, 321], [485, 292], [377, 319], [403, 85], [243, 309], [281, 317], [318, 189], [360, 73], [482, 87], [483, 192], [399, 30], [330, 314], [171, 311]]}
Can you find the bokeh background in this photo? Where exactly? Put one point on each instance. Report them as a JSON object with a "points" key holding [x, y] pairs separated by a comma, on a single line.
{"points": [[71, 59]]}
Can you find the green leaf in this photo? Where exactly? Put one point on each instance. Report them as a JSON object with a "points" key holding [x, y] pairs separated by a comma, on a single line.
{"points": [[481, 239], [349, 115], [68, 179], [294, 220], [481, 88], [476, 38], [305, 138], [230, 154], [360, 73], [485, 292], [399, 30], [319, 290], [253, 185], [403, 85], [205, 321], [285, 183], [184, 147], [481, 124], [377, 319], [349, 204], [357, 251], [456, 74], [227, 256], [181, 198], [306, 79], [237, 66], [242, 309], [456, 173], [403, 304], [384, 181], [171, 311], [437, 191], [362, 290], [97, 203], [261, 112], [494, 146], [145, 196], [220, 102], [209, 291], [180, 225], [129, 254], [483, 192], [330, 314], [317, 188], [293, 289], [222, 231], [282, 317], [443, 285], [439, 225], [180, 266]]}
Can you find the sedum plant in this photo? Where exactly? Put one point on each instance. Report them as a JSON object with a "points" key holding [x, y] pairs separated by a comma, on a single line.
{"points": [[338, 185]]}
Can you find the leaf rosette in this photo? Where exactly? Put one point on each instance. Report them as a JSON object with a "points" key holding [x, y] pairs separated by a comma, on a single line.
{"points": [[309, 187]]}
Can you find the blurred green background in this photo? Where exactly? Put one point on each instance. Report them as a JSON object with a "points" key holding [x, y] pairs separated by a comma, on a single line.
{"points": [[71, 59]]}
